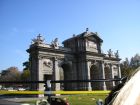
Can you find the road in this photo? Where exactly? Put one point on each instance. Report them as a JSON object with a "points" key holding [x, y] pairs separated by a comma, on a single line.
{"points": [[5, 102], [15, 100]]}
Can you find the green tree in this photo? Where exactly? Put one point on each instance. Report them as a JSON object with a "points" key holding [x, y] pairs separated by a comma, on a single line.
{"points": [[26, 65], [135, 61], [25, 76], [128, 67], [125, 68]]}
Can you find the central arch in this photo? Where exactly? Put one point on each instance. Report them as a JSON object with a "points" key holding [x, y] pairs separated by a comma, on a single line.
{"points": [[65, 69]]}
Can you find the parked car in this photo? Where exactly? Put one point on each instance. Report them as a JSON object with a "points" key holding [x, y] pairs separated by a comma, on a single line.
{"points": [[10, 89], [21, 89], [57, 101]]}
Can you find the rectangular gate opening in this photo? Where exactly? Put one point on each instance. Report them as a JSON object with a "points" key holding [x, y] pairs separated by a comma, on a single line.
{"points": [[47, 77]]}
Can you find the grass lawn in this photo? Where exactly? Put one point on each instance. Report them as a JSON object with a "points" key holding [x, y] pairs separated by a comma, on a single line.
{"points": [[85, 99], [82, 99]]}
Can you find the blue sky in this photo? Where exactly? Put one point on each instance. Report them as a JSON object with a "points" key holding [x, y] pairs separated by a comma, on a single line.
{"points": [[116, 21]]}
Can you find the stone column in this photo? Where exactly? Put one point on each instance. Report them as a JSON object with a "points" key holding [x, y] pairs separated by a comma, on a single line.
{"points": [[88, 75], [119, 71], [103, 75], [40, 76], [112, 74], [56, 74]]}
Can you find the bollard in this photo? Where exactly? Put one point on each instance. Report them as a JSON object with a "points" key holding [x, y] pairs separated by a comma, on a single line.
{"points": [[99, 102], [42, 102], [48, 90]]}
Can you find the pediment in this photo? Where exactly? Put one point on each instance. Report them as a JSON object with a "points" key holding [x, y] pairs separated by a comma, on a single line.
{"points": [[87, 35], [93, 37]]}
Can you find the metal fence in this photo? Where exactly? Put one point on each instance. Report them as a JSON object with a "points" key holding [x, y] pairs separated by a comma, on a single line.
{"points": [[57, 81]]}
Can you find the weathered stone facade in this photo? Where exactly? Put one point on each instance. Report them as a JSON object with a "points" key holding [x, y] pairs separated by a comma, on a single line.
{"points": [[81, 58]]}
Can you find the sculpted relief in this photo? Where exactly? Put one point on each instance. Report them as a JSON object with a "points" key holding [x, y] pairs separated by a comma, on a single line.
{"points": [[47, 66]]}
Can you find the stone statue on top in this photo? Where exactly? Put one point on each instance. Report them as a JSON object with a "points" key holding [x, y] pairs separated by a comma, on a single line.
{"points": [[55, 43]]}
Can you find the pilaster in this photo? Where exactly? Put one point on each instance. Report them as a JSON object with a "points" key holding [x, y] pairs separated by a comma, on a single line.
{"points": [[56, 73], [88, 75], [103, 75], [40, 76], [112, 74], [119, 71]]}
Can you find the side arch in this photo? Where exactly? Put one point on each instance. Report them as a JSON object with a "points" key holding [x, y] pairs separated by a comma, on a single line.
{"points": [[107, 76], [94, 74]]}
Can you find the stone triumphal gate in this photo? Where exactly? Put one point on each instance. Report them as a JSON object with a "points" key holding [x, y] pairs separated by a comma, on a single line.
{"points": [[81, 58]]}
